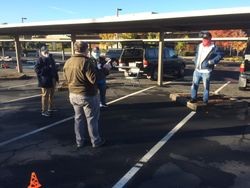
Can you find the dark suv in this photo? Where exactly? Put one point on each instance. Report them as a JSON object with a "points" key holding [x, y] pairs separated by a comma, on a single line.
{"points": [[147, 60], [244, 77]]}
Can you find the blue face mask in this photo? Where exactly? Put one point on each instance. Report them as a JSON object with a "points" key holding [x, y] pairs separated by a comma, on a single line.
{"points": [[95, 55]]}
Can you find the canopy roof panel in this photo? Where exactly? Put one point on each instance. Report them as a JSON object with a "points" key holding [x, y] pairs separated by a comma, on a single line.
{"points": [[228, 18]]}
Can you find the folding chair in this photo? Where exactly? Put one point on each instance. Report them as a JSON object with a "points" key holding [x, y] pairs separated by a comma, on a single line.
{"points": [[133, 76]]}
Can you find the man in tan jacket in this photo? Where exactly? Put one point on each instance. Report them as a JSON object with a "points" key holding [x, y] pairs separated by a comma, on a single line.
{"points": [[80, 73]]}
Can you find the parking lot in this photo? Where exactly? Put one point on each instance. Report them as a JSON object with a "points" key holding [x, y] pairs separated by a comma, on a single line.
{"points": [[151, 140]]}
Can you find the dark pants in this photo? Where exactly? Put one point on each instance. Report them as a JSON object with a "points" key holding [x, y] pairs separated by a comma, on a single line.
{"points": [[102, 91]]}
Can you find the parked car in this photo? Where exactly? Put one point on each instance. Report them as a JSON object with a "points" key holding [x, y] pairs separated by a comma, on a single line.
{"points": [[147, 60], [114, 54], [29, 64], [244, 76]]}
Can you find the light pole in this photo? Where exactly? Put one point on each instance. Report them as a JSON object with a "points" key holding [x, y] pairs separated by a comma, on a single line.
{"points": [[117, 11], [117, 15], [23, 19]]}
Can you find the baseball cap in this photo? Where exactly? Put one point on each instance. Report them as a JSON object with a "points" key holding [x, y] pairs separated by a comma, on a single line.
{"points": [[205, 35]]}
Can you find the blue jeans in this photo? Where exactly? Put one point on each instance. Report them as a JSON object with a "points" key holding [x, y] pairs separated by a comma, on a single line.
{"points": [[87, 112], [197, 76], [102, 91]]}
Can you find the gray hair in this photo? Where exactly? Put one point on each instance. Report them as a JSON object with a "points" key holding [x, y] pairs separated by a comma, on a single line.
{"points": [[80, 47]]}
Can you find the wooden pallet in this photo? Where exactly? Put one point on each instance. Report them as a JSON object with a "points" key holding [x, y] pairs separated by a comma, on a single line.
{"points": [[215, 100]]}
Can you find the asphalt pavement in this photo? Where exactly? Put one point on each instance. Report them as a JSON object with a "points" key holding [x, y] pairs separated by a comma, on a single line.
{"points": [[152, 141]]}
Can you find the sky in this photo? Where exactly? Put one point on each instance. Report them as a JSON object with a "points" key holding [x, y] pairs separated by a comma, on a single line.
{"points": [[12, 11]]}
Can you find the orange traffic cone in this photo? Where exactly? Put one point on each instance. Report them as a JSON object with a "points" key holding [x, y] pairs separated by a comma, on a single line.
{"points": [[34, 183]]}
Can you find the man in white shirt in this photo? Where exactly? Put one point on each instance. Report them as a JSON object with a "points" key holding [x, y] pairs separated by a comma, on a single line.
{"points": [[207, 55]]}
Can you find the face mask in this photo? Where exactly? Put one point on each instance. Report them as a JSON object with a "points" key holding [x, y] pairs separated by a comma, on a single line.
{"points": [[45, 54], [95, 55]]}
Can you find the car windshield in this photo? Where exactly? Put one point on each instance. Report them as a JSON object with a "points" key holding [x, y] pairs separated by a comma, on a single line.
{"points": [[133, 53], [114, 53]]}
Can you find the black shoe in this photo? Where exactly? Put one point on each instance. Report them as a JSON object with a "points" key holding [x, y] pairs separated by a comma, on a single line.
{"points": [[101, 143], [205, 103], [103, 105], [52, 110], [193, 101], [46, 114], [80, 146]]}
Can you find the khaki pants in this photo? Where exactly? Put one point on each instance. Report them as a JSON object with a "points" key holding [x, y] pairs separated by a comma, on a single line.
{"points": [[48, 97]]}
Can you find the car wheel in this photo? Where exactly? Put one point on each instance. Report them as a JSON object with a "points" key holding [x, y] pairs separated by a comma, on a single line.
{"points": [[181, 72]]}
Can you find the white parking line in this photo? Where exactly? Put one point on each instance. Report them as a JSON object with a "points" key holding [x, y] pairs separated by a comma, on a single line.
{"points": [[129, 175], [218, 90], [34, 132], [132, 94], [21, 85], [19, 99], [64, 120]]}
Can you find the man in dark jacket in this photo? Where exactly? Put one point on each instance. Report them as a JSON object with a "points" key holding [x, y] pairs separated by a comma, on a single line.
{"points": [[207, 56], [47, 76], [80, 74]]}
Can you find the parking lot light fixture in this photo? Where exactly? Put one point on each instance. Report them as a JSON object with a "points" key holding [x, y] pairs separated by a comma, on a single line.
{"points": [[23, 19], [117, 11]]}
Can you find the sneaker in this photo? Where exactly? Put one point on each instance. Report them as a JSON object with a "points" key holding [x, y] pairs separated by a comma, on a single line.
{"points": [[46, 114], [103, 105], [101, 143], [193, 100]]}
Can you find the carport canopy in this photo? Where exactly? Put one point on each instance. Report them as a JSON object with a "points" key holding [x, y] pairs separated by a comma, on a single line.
{"points": [[227, 18]]}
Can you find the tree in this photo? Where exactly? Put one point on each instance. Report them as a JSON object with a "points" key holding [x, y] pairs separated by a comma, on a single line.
{"points": [[108, 36], [238, 46], [180, 47]]}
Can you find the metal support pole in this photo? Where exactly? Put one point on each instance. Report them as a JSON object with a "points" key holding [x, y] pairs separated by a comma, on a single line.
{"points": [[160, 59], [3, 52], [90, 48], [18, 54], [63, 55], [73, 40]]}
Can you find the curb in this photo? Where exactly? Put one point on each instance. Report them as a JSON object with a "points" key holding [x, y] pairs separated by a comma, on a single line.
{"points": [[15, 77], [217, 101]]}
